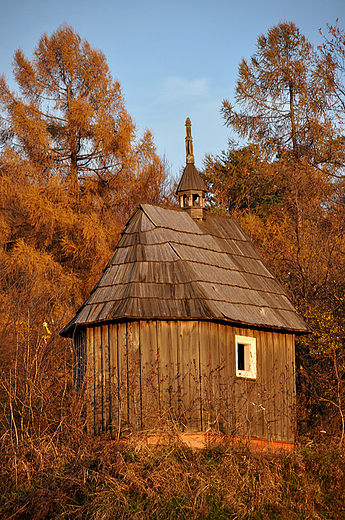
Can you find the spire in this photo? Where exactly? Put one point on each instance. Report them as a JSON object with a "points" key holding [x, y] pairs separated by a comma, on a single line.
{"points": [[191, 189], [189, 142]]}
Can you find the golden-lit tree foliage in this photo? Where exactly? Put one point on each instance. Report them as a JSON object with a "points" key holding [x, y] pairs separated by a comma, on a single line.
{"points": [[332, 68], [72, 171], [70, 117], [286, 187], [284, 101]]}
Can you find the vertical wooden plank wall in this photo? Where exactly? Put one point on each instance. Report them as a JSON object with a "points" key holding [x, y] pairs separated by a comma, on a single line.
{"points": [[189, 370], [228, 376], [133, 331], [141, 374], [80, 360], [122, 375], [290, 385], [149, 374], [169, 398], [90, 378], [99, 380], [114, 382], [205, 374]]}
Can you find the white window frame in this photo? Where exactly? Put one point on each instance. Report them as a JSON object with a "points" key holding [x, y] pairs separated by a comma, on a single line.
{"points": [[249, 343]]}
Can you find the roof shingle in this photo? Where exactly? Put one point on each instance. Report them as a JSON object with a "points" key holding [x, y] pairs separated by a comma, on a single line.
{"points": [[168, 266]]}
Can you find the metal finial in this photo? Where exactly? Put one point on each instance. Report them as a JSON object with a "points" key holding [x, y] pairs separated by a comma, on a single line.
{"points": [[189, 142]]}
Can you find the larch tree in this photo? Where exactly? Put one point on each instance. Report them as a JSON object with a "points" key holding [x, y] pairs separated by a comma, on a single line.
{"points": [[285, 185], [331, 70], [332, 67], [72, 171], [283, 102], [284, 109], [70, 117], [74, 147]]}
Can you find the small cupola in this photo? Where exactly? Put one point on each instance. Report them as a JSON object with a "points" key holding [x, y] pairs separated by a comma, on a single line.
{"points": [[191, 189]]}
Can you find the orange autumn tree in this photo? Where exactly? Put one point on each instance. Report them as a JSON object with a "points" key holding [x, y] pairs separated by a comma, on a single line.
{"points": [[72, 170], [285, 185]]}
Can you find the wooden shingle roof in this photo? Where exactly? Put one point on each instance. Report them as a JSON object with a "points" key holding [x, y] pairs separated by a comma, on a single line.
{"points": [[168, 266], [191, 180]]}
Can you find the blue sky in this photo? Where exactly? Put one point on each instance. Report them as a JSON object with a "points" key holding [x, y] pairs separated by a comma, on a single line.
{"points": [[174, 59]]}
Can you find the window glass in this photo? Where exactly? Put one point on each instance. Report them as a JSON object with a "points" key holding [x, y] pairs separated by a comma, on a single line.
{"points": [[240, 356], [245, 357]]}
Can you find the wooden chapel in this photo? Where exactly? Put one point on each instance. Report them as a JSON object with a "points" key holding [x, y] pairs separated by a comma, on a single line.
{"points": [[187, 327]]}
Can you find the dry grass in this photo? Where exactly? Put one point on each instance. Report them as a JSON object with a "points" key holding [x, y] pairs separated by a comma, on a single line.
{"points": [[80, 478]]}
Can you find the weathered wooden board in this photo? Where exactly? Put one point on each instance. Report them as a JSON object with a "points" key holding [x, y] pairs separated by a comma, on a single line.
{"points": [[114, 417], [149, 374], [89, 382], [143, 376], [189, 369], [134, 375], [123, 376]]}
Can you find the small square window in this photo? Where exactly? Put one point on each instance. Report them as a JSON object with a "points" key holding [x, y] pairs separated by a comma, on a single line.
{"points": [[245, 357]]}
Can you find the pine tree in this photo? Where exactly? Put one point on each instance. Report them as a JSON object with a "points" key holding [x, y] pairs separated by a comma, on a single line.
{"points": [[241, 179]]}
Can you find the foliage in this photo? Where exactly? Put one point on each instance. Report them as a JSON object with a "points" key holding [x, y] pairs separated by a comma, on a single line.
{"points": [[286, 186], [84, 478], [284, 100], [71, 172], [71, 117], [240, 180], [332, 68]]}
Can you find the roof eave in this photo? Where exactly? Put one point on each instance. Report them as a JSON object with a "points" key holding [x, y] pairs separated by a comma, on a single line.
{"points": [[71, 328]]}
